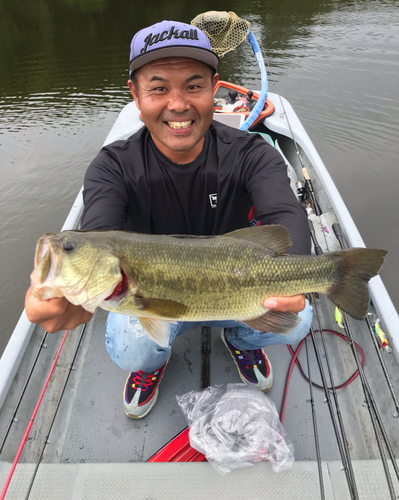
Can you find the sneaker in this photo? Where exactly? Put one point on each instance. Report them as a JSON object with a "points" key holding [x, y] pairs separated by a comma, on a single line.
{"points": [[253, 367], [141, 392]]}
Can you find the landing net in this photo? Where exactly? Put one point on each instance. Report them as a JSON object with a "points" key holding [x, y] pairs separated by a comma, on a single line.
{"points": [[225, 30]]}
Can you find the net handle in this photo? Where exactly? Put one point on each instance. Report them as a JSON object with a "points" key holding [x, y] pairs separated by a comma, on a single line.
{"points": [[258, 108]]}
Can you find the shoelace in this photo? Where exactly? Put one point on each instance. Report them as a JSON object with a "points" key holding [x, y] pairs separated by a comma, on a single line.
{"points": [[251, 358], [144, 380]]}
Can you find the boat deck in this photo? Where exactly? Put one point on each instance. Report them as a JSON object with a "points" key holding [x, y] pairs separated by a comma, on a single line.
{"points": [[88, 435]]}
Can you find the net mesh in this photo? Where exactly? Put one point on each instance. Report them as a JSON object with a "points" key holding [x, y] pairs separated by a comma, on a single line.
{"points": [[225, 30]]}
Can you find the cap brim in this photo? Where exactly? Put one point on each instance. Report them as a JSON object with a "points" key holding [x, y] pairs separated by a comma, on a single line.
{"points": [[204, 55]]}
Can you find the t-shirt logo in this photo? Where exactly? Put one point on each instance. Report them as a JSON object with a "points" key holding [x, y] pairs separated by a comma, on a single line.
{"points": [[213, 199]]}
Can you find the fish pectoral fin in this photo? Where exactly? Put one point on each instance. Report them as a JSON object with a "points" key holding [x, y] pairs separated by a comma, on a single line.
{"points": [[157, 330], [160, 307], [275, 321], [274, 237]]}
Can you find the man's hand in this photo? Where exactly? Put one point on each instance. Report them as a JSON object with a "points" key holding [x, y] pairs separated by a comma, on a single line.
{"points": [[294, 304], [55, 314]]}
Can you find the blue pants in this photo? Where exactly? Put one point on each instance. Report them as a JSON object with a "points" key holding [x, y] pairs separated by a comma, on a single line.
{"points": [[131, 348]]}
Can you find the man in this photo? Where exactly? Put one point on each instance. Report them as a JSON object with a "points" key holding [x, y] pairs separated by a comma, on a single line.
{"points": [[182, 174]]}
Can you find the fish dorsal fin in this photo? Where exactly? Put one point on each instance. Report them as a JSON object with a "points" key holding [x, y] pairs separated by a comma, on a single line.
{"points": [[275, 237]]}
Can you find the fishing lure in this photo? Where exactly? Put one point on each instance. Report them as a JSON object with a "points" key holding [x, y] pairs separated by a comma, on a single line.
{"points": [[380, 334], [338, 318]]}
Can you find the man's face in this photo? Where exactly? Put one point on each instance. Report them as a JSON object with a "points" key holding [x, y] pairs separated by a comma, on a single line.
{"points": [[175, 97]]}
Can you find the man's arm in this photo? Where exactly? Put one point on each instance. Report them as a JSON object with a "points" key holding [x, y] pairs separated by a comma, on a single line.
{"points": [[105, 196], [275, 203], [265, 176], [105, 202]]}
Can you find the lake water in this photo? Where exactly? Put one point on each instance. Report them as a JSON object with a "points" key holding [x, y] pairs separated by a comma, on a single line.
{"points": [[63, 73]]}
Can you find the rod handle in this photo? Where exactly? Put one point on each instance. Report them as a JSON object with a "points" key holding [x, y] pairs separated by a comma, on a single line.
{"points": [[309, 186], [317, 247], [305, 173], [339, 235]]}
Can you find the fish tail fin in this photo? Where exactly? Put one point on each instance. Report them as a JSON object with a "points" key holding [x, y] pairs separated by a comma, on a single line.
{"points": [[356, 267]]}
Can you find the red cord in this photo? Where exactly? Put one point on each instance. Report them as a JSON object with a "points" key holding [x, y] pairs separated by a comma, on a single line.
{"points": [[25, 437], [295, 360]]}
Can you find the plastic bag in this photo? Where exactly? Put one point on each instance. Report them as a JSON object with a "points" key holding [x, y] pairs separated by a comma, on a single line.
{"points": [[235, 426]]}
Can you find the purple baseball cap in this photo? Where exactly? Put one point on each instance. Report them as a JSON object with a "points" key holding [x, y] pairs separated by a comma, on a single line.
{"points": [[170, 39]]}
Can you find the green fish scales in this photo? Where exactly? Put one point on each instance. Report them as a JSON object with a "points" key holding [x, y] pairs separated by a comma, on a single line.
{"points": [[189, 278], [222, 278]]}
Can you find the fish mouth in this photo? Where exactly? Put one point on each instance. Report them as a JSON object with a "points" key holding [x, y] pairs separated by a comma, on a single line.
{"points": [[55, 275], [44, 272], [120, 291]]}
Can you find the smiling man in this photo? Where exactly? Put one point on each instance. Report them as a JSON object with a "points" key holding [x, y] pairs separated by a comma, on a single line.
{"points": [[176, 104], [182, 173]]}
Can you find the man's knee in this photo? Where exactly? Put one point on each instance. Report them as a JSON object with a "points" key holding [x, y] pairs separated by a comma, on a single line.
{"points": [[130, 347], [129, 361]]}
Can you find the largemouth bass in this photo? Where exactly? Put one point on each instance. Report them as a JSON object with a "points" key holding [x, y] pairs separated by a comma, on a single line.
{"points": [[161, 279]]}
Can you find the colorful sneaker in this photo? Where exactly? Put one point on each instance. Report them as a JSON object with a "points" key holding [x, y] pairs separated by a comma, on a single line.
{"points": [[253, 367], [141, 392]]}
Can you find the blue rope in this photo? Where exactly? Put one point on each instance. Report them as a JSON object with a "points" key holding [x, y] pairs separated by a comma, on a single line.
{"points": [[257, 109]]}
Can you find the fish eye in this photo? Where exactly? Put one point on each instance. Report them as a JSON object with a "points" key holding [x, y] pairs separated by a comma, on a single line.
{"points": [[69, 245]]}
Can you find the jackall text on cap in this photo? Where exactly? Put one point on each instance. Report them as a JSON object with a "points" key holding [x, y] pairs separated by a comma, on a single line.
{"points": [[170, 39]]}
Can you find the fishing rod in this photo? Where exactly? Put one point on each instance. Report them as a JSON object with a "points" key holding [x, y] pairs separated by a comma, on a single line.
{"points": [[309, 191], [369, 398], [308, 183], [310, 188], [384, 369], [342, 444], [340, 438], [370, 403], [374, 417], [350, 475], [316, 434], [339, 235], [373, 411], [317, 247]]}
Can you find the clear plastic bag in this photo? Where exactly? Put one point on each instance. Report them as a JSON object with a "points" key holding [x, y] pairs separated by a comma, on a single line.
{"points": [[235, 426]]}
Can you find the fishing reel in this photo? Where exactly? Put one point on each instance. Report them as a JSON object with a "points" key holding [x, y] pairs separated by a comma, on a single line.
{"points": [[304, 197]]}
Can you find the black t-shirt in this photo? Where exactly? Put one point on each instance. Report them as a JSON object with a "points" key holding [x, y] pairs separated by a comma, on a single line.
{"points": [[131, 185]]}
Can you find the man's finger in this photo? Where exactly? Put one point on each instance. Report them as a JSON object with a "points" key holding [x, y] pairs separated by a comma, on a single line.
{"points": [[55, 314], [294, 303], [38, 310], [79, 317]]}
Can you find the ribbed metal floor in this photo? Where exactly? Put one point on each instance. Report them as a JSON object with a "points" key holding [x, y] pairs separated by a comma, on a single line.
{"points": [[193, 481]]}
